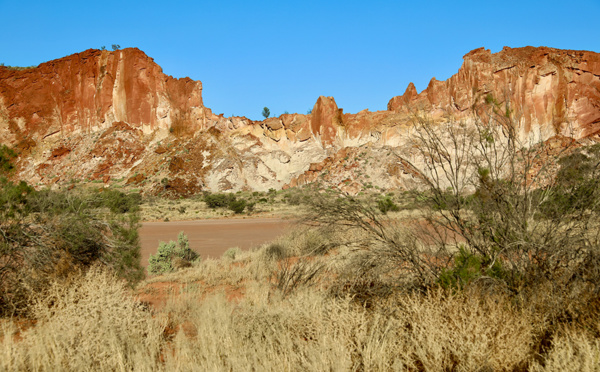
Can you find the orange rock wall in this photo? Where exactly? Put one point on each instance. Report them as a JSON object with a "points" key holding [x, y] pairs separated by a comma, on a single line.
{"points": [[94, 89], [552, 90]]}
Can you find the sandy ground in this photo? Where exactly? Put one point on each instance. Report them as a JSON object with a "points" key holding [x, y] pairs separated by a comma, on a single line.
{"points": [[211, 238]]}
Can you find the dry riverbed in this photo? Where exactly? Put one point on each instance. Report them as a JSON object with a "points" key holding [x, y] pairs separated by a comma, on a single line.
{"points": [[211, 238]]}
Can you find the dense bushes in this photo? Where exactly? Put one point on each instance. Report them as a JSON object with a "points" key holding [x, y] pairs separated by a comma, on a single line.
{"points": [[48, 234], [218, 200], [119, 202], [229, 201]]}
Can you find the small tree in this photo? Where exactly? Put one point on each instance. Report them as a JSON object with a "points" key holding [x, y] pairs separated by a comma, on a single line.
{"points": [[116, 47], [266, 112]]}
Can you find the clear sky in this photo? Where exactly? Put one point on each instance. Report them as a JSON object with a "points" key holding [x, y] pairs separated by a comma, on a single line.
{"points": [[284, 54]]}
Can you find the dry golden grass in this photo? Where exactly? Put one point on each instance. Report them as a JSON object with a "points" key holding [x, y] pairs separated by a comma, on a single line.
{"points": [[570, 352], [91, 323], [307, 331], [95, 323]]}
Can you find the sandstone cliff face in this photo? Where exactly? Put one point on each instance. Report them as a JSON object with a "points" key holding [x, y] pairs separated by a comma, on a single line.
{"points": [[114, 117], [91, 90], [552, 91]]}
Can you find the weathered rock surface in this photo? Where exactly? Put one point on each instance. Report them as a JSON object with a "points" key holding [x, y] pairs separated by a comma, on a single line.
{"points": [[91, 90], [115, 117], [553, 91]]}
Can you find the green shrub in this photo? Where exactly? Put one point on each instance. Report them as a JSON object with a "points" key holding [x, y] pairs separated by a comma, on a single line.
{"points": [[266, 112], [6, 157], [228, 201], [218, 200], [119, 202], [386, 205], [577, 185], [238, 205], [466, 269], [163, 261]]}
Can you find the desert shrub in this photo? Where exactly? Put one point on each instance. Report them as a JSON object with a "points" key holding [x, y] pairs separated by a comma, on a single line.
{"points": [[577, 187], [237, 205], [218, 200], [381, 241], [232, 253], [163, 261], [386, 205], [6, 157], [499, 196], [309, 331], [466, 269], [464, 332], [293, 274], [295, 197], [275, 251], [572, 351], [120, 202], [229, 201]]}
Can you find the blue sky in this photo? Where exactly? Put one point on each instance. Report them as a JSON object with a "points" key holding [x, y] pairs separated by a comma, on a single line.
{"points": [[284, 54]]}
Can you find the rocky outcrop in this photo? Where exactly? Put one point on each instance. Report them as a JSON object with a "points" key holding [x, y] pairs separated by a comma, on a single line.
{"points": [[114, 117], [552, 91], [90, 90]]}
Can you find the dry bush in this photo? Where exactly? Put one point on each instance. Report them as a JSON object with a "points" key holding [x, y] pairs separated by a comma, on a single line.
{"points": [[252, 265], [88, 323], [308, 330], [293, 274], [573, 351], [378, 240], [309, 241], [232, 253], [274, 251], [298, 334], [465, 332]]}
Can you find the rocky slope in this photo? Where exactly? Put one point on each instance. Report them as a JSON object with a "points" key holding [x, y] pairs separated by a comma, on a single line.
{"points": [[114, 117]]}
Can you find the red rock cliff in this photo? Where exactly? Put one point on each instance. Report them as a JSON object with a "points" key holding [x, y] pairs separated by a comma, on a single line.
{"points": [[552, 90], [93, 89]]}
